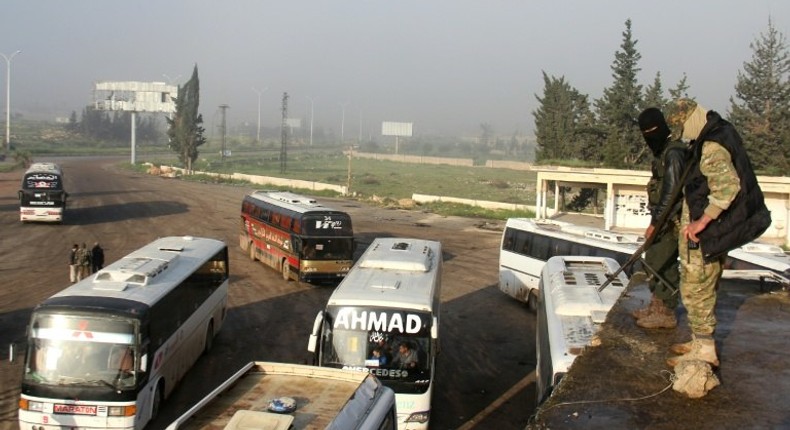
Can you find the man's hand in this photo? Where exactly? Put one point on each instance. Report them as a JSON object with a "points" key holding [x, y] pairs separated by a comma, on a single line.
{"points": [[690, 231], [649, 231]]}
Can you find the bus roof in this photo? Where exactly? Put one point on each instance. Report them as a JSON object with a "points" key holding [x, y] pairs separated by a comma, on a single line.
{"points": [[51, 168], [147, 274], [404, 271], [291, 201]]}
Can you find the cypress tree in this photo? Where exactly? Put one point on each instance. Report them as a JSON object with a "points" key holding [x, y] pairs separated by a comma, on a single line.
{"points": [[185, 128]]}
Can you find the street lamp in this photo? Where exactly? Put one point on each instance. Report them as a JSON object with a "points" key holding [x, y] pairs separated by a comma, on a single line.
{"points": [[258, 135], [343, 123], [8, 98], [312, 105]]}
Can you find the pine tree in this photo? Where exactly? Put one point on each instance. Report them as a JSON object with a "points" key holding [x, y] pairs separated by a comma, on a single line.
{"points": [[761, 112], [619, 106], [185, 128], [560, 121], [654, 95]]}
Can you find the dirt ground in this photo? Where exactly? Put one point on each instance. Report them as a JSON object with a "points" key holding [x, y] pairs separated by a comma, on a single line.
{"points": [[625, 382], [485, 377]]}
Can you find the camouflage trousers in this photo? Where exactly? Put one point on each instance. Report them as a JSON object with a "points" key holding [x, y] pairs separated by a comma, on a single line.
{"points": [[699, 282]]}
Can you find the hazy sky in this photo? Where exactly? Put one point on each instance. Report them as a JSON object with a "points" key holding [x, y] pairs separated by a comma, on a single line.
{"points": [[445, 65]]}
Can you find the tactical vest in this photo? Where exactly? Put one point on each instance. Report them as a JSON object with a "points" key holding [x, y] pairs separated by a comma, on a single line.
{"points": [[747, 216]]}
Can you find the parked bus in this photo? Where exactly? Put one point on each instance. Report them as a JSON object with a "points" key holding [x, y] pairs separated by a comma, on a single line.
{"points": [[106, 351], [43, 196], [296, 236], [528, 243], [570, 312], [383, 319]]}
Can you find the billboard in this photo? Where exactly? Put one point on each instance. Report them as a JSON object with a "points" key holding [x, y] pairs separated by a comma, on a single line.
{"points": [[402, 129], [132, 96]]}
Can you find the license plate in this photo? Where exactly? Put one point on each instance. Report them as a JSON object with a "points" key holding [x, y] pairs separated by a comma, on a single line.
{"points": [[75, 409]]}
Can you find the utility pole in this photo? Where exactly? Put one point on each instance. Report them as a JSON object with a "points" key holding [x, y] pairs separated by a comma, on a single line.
{"points": [[284, 135], [343, 122], [223, 128], [8, 98], [312, 111], [348, 180], [258, 134]]}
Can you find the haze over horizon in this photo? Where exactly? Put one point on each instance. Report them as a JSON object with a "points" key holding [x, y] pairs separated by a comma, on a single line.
{"points": [[447, 66]]}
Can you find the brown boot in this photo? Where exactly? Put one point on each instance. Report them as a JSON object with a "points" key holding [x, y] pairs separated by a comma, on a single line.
{"points": [[681, 348], [661, 317], [642, 312], [701, 349]]}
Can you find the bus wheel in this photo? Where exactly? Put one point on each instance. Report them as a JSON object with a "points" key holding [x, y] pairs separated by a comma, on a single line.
{"points": [[158, 397], [532, 300], [286, 270], [209, 338], [252, 251]]}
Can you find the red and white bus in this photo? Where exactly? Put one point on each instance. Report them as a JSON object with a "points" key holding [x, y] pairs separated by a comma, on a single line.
{"points": [[296, 236]]}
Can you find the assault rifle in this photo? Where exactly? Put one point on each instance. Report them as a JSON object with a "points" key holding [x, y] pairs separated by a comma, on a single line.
{"points": [[662, 220]]}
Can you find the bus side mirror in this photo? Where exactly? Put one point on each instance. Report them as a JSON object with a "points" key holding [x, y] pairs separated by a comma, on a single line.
{"points": [[19, 193], [312, 343], [435, 328], [11, 350]]}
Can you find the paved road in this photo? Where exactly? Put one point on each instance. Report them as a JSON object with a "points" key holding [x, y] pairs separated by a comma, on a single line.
{"points": [[487, 339]]}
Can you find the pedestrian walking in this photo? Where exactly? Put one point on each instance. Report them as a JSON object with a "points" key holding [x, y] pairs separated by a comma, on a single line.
{"points": [[73, 265], [97, 258], [83, 261]]}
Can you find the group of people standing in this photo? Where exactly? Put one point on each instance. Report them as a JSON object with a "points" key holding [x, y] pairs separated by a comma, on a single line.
{"points": [[704, 201], [83, 261]]}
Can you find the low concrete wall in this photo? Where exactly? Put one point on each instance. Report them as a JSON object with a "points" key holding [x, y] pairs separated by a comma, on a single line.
{"points": [[416, 159], [269, 180], [425, 198]]}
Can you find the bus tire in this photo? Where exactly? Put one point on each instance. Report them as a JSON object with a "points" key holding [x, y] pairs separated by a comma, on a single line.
{"points": [[532, 300], [286, 270], [209, 338], [159, 394], [252, 251]]}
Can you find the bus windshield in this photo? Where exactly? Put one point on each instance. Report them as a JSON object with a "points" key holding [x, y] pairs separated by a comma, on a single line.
{"points": [[81, 350], [392, 344], [328, 249]]}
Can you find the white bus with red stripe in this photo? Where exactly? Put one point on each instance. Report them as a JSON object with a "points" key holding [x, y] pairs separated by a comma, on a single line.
{"points": [[106, 351]]}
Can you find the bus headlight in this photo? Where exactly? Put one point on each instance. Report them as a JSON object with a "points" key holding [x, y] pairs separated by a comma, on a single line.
{"points": [[122, 411], [28, 405], [419, 417]]}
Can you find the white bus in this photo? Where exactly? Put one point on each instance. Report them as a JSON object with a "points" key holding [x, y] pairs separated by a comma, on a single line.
{"points": [[43, 196], [389, 302], [528, 243], [106, 351], [570, 312]]}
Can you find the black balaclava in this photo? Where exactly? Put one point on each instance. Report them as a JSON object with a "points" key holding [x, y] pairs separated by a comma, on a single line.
{"points": [[654, 129]]}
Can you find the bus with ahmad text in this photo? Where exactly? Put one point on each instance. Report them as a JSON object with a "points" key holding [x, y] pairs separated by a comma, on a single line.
{"points": [[383, 319]]}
